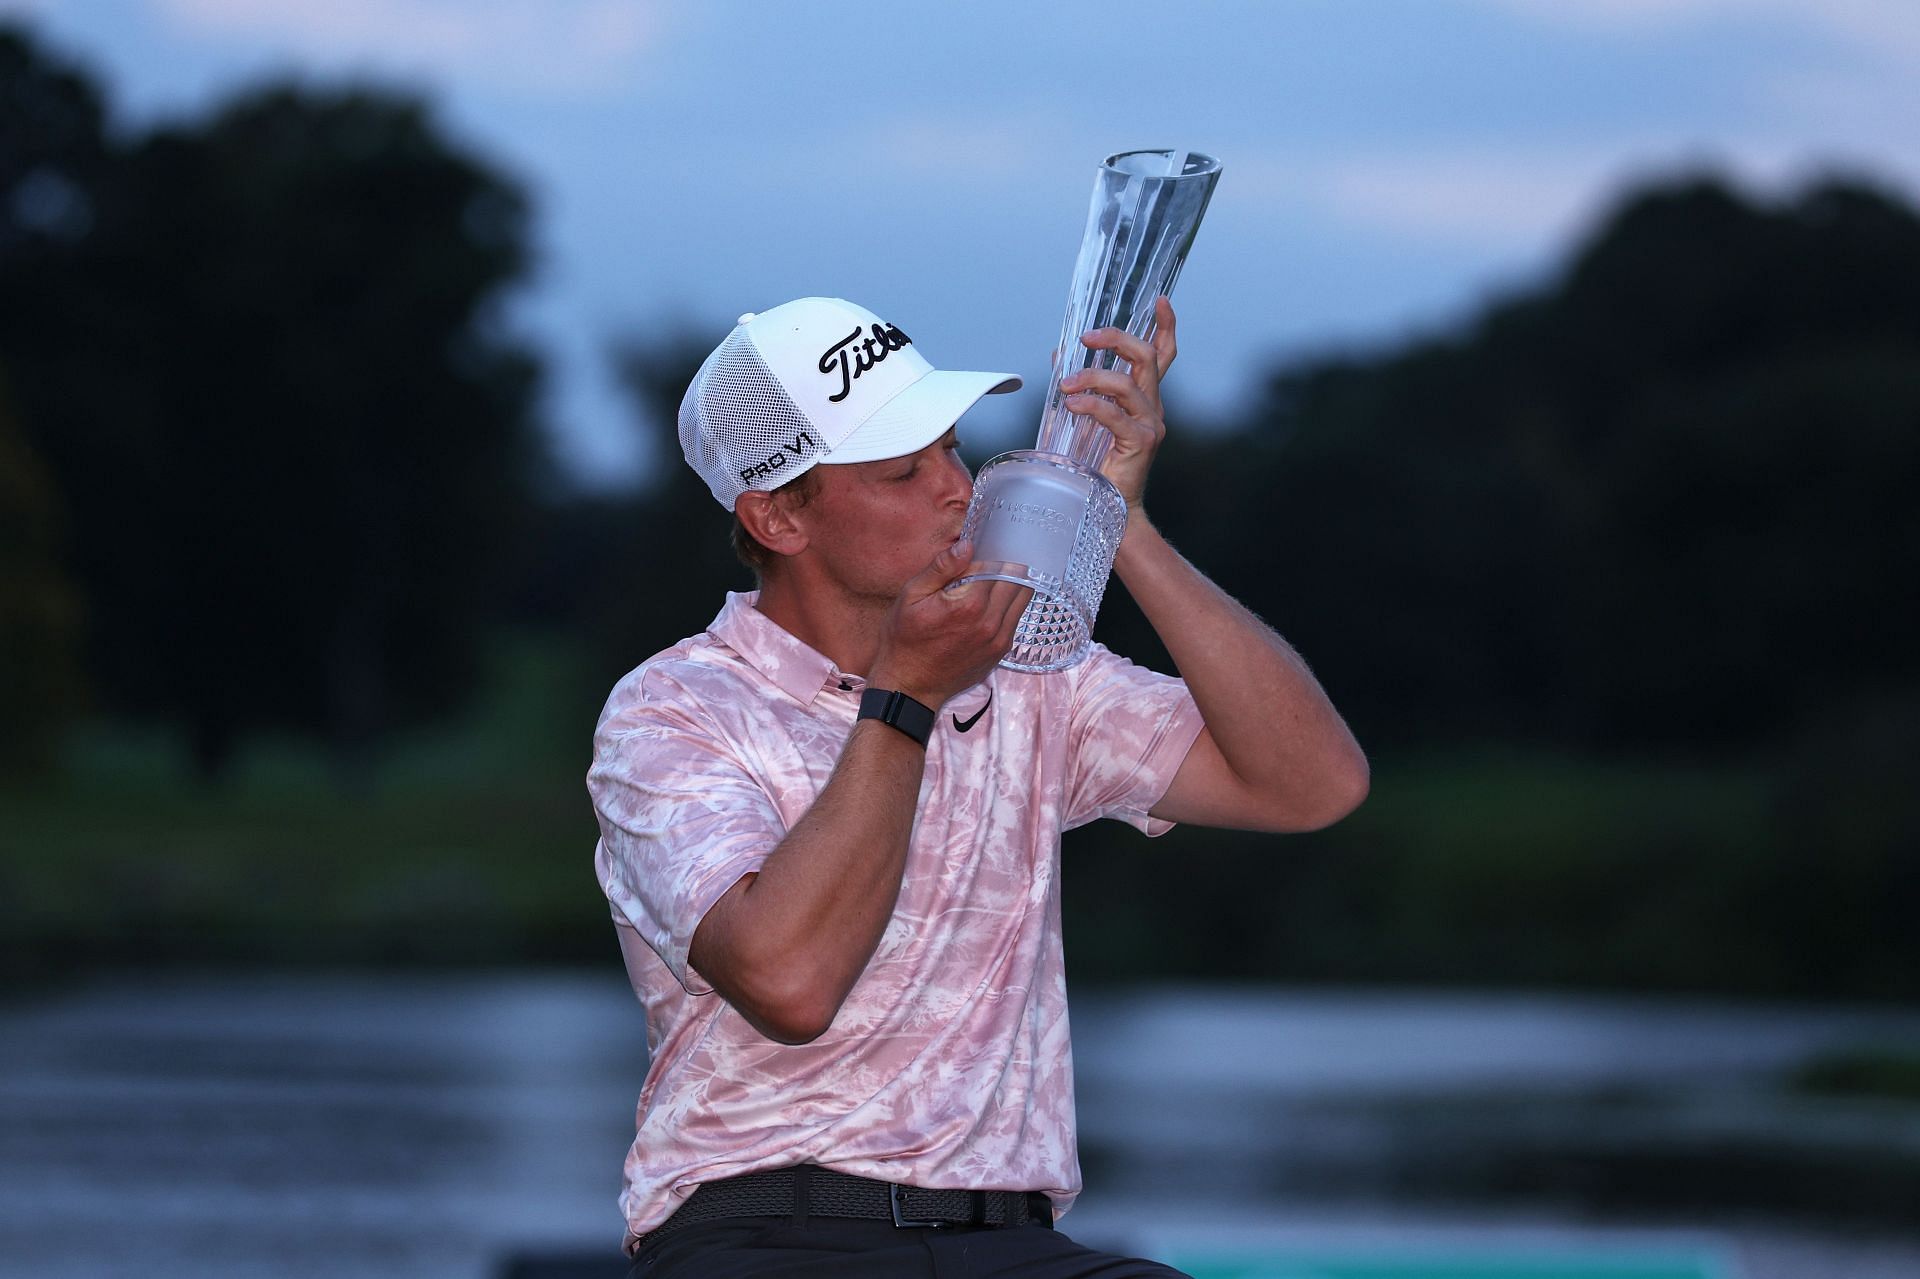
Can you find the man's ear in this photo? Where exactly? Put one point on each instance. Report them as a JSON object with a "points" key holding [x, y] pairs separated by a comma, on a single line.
{"points": [[769, 517]]}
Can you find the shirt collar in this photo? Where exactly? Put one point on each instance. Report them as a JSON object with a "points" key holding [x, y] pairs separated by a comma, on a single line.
{"points": [[797, 669]]}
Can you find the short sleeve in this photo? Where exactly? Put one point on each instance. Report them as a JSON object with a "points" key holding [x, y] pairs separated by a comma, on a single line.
{"points": [[681, 820], [1131, 729]]}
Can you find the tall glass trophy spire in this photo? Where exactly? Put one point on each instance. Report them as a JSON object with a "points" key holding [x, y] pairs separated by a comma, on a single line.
{"points": [[1045, 517]]}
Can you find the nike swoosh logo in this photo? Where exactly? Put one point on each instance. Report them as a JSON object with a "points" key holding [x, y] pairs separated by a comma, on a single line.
{"points": [[962, 725]]}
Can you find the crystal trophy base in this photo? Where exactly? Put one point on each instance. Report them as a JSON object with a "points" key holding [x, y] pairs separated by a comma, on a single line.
{"points": [[1041, 521], [1046, 518]]}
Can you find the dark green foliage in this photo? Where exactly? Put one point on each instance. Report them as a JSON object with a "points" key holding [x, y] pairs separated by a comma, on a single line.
{"points": [[1498, 868], [1866, 1072], [635, 572], [348, 441], [270, 375], [40, 616], [52, 154], [474, 845]]}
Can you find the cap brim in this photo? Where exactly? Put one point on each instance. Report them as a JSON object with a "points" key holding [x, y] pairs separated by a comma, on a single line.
{"points": [[918, 415]]}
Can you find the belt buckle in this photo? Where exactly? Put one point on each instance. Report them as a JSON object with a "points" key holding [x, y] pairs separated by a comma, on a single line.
{"points": [[896, 1200]]}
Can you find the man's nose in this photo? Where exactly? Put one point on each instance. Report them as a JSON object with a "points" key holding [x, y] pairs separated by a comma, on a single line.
{"points": [[961, 482]]}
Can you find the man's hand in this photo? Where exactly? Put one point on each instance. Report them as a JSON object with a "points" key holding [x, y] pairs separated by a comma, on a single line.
{"points": [[942, 638], [1128, 403]]}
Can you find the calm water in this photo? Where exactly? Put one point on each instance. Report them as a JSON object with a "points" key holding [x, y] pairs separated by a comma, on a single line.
{"points": [[430, 1127]]}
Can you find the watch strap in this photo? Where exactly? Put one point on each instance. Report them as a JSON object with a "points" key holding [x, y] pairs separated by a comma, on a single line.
{"points": [[911, 717]]}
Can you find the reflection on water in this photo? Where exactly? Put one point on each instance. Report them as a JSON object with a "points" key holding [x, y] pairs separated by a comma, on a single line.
{"points": [[1455, 1096], [369, 1126], [1315, 1123], [437, 1126]]}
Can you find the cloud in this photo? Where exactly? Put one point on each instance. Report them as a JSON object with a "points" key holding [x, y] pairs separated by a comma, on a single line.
{"points": [[1884, 28], [1476, 197], [1517, 201], [567, 47]]}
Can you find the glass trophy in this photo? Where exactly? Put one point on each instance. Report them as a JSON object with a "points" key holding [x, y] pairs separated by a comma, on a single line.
{"points": [[1045, 517]]}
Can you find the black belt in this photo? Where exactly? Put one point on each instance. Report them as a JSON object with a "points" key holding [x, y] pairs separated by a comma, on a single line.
{"points": [[810, 1191]]}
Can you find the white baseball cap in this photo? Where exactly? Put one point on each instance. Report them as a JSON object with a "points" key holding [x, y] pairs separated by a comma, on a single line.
{"points": [[816, 380]]}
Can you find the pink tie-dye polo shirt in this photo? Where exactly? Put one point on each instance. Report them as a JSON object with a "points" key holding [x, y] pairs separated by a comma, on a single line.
{"points": [[948, 1065]]}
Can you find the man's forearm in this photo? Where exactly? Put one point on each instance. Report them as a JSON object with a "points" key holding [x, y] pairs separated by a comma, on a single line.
{"points": [[1296, 764], [786, 944]]}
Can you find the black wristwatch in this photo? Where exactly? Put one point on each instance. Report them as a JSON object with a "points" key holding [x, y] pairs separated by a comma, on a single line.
{"points": [[904, 713]]}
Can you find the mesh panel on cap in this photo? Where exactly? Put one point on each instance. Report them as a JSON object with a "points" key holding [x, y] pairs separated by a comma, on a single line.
{"points": [[736, 418]]}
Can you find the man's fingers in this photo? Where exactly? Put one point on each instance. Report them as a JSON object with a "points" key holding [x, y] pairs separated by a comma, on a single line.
{"points": [[1110, 383], [1010, 607], [994, 600], [1100, 409], [1145, 363], [1165, 347], [947, 566], [1126, 427], [1007, 598], [1136, 353]]}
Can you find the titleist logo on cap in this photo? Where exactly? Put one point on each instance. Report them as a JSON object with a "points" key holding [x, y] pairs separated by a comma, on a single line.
{"points": [[851, 356]]}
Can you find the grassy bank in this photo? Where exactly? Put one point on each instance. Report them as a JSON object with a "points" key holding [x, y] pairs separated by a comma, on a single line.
{"points": [[1506, 868], [465, 845]]}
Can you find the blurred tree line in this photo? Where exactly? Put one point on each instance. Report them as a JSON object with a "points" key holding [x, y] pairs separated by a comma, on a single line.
{"points": [[268, 460], [269, 445]]}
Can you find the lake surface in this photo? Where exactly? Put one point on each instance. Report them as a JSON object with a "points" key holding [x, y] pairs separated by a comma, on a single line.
{"points": [[457, 1126]]}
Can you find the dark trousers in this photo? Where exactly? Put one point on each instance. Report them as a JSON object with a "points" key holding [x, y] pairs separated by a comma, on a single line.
{"points": [[839, 1248]]}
